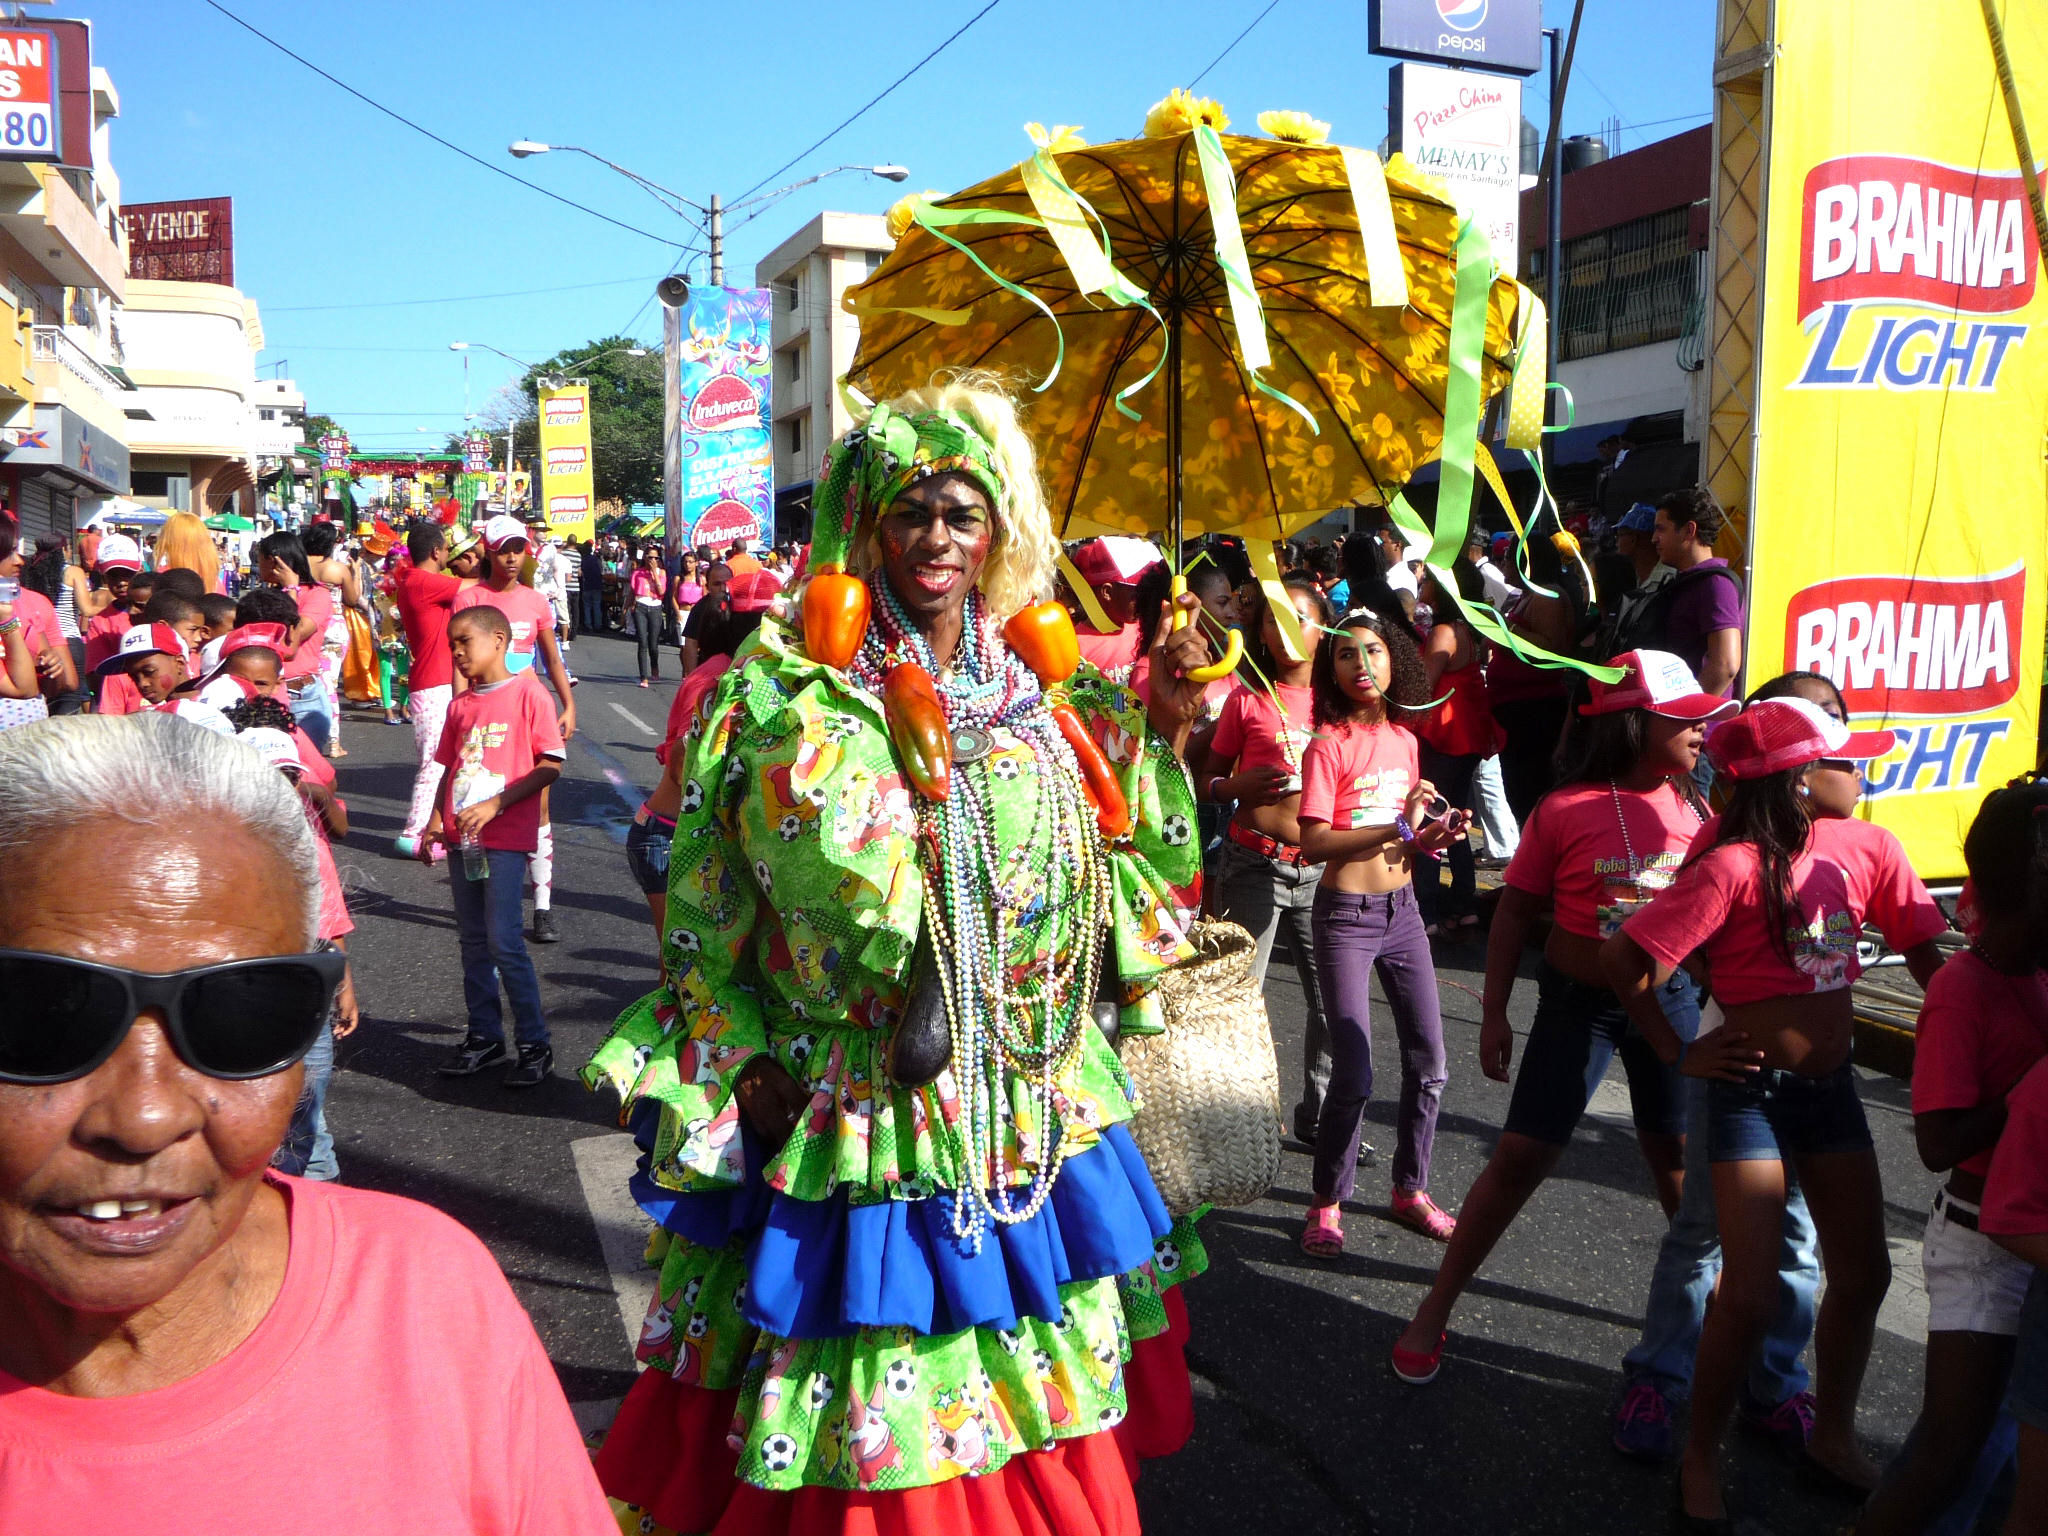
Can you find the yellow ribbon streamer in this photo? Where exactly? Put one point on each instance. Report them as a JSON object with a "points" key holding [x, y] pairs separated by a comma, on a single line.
{"points": [[1526, 389], [1091, 605], [1385, 272], [1266, 568]]}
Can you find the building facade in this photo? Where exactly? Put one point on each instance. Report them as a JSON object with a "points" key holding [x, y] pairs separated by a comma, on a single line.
{"points": [[191, 350]]}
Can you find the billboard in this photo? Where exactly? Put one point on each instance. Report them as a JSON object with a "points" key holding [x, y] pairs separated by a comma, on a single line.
{"points": [[1465, 129], [191, 241], [568, 492], [1506, 35], [727, 462], [1898, 542], [29, 121]]}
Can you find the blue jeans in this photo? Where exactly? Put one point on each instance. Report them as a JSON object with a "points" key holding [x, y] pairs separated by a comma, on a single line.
{"points": [[1577, 1032], [1688, 1263], [308, 1148], [309, 713], [490, 919]]}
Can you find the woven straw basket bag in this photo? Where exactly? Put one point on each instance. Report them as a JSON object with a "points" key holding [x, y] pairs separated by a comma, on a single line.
{"points": [[1208, 1120]]}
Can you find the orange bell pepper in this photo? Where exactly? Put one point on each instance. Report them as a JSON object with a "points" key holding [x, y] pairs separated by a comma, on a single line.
{"points": [[1112, 810], [835, 616], [917, 724], [1043, 635]]}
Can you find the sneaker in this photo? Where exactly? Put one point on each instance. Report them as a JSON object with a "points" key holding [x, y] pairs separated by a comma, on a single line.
{"points": [[472, 1056], [1789, 1426], [532, 1069], [1304, 1131], [406, 847], [1642, 1424], [544, 929]]}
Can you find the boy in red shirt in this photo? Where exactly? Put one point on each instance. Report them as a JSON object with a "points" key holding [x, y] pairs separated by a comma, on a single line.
{"points": [[501, 748], [532, 623]]}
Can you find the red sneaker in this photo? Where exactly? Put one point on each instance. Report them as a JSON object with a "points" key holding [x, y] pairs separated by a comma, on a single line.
{"points": [[1417, 1369]]}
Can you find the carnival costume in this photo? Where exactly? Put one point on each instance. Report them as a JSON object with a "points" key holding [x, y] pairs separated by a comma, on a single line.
{"points": [[945, 1301]]}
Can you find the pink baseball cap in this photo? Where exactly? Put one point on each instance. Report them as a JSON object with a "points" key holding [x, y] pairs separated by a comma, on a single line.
{"points": [[1775, 734], [752, 591], [146, 640], [1115, 559], [1660, 683], [502, 530], [250, 637]]}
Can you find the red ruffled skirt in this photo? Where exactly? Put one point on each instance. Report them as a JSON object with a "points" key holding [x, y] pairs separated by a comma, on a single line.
{"points": [[667, 1455]]}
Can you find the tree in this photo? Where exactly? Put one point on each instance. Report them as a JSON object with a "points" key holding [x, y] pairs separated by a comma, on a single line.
{"points": [[318, 427], [625, 415]]}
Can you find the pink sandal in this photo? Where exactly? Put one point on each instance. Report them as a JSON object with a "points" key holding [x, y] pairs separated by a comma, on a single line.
{"points": [[1323, 1237], [1414, 1208]]}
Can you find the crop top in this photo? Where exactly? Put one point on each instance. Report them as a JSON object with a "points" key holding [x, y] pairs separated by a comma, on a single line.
{"points": [[1358, 775], [1574, 851]]}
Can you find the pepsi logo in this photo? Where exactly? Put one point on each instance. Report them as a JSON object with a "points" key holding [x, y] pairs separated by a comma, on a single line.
{"points": [[1462, 15]]}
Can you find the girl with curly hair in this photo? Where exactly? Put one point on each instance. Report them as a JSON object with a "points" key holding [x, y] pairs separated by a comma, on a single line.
{"points": [[1366, 812]]}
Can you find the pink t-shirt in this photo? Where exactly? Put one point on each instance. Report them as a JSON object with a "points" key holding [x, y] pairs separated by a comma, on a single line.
{"points": [[1113, 654], [315, 603], [39, 627], [103, 634], [334, 918], [2016, 1190], [1839, 878], [1980, 1032], [1573, 850], [1248, 733], [436, 1406], [525, 610], [1358, 776], [494, 735]]}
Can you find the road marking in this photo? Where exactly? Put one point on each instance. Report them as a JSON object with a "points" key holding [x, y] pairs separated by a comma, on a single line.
{"points": [[604, 1164], [641, 725]]}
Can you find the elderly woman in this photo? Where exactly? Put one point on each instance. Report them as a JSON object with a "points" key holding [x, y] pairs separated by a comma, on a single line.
{"points": [[166, 1303], [911, 1261]]}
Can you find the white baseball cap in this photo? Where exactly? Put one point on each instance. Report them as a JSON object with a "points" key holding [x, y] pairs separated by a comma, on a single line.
{"points": [[146, 640], [200, 714], [502, 530], [118, 551], [274, 747]]}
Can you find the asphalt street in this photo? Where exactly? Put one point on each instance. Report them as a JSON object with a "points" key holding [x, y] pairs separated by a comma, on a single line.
{"points": [[1300, 1423]]}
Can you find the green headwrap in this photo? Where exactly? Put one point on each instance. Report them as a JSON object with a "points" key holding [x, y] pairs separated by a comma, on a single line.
{"points": [[868, 468]]}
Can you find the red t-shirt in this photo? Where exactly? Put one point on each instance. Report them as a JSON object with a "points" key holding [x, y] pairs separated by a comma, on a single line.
{"points": [[2016, 1190], [525, 610], [334, 918], [425, 600], [1248, 732], [496, 734], [1980, 1032], [1359, 776], [395, 1328], [39, 627], [1839, 878], [1573, 851], [315, 603], [1114, 654], [103, 634]]}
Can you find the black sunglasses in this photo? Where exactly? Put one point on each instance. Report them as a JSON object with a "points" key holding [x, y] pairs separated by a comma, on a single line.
{"points": [[61, 1018]]}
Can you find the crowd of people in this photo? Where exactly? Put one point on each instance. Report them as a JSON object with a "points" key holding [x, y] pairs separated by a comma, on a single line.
{"points": [[907, 1247]]}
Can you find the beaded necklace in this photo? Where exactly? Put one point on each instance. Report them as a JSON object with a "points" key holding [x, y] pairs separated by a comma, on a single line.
{"points": [[1636, 868], [1007, 1026]]}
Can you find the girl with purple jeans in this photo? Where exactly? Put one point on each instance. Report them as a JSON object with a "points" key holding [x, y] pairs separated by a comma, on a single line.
{"points": [[1365, 816]]}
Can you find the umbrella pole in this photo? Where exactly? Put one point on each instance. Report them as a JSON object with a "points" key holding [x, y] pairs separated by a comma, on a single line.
{"points": [[1174, 418]]}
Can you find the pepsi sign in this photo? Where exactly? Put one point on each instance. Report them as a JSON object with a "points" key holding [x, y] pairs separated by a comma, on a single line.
{"points": [[1501, 35]]}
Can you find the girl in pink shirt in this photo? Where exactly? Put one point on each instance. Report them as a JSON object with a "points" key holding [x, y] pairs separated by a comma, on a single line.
{"points": [[1364, 817]]}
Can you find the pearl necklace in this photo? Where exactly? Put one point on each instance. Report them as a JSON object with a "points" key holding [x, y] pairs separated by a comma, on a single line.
{"points": [[1635, 865]]}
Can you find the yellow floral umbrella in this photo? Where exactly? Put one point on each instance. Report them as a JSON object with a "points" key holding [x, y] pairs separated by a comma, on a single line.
{"points": [[1246, 379]]}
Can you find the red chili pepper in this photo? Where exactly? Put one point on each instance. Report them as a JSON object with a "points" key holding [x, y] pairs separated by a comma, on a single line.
{"points": [[917, 724], [1043, 635], [1112, 810], [835, 616]]}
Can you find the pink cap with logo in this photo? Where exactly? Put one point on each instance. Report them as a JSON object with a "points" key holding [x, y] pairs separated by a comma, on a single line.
{"points": [[146, 640], [1776, 734], [118, 552], [1660, 683]]}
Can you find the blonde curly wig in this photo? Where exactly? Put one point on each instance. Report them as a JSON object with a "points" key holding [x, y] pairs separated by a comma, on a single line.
{"points": [[1023, 552]]}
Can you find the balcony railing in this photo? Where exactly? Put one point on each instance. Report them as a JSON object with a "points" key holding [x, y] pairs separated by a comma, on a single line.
{"points": [[54, 345]]}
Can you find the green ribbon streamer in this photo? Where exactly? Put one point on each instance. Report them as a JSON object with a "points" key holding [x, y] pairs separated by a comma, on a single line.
{"points": [[1247, 314], [935, 221]]}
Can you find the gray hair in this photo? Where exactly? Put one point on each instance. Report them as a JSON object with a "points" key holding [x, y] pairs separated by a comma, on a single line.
{"points": [[148, 770]]}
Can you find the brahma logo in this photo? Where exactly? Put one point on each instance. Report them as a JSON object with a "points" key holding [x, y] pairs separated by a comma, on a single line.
{"points": [[565, 411], [572, 460], [1892, 230], [1903, 647]]}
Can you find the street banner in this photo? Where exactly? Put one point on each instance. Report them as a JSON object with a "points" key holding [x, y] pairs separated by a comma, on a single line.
{"points": [[568, 493], [476, 454], [722, 382], [1899, 541]]}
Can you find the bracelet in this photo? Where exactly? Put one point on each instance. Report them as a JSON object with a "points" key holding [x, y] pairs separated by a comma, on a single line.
{"points": [[1214, 797], [10, 626], [1402, 828]]}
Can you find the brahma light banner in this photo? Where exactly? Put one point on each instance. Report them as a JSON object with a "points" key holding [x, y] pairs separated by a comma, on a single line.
{"points": [[1901, 497], [568, 494]]}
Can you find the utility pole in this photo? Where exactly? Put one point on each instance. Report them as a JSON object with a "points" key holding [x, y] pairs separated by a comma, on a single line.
{"points": [[717, 232]]}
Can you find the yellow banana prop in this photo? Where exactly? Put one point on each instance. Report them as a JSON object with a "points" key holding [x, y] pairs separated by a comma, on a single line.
{"points": [[1233, 649]]}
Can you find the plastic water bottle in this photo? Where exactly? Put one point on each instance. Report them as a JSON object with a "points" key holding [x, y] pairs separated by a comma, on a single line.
{"points": [[474, 865]]}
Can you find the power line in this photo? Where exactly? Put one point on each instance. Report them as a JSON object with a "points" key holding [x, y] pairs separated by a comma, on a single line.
{"points": [[460, 298], [873, 101], [399, 117], [1247, 32]]}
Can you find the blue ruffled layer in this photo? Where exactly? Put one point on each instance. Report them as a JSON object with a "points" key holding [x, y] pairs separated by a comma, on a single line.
{"points": [[826, 1268]]}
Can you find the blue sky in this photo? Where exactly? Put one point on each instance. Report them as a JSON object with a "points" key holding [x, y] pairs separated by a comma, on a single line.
{"points": [[339, 210]]}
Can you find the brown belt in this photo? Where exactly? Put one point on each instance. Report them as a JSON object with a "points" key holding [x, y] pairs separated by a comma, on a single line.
{"points": [[1258, 842]]}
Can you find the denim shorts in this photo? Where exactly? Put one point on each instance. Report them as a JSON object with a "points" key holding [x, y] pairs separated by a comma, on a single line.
{"points": [[1778, 1114], [1577, 1031], [647, 845]]}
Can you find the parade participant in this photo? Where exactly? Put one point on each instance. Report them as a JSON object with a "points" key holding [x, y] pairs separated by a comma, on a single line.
{"points": [[160, 1287], [281, 563], [649, 587], [709, 609], [1596, 849], [154, 658], [426, 596], [1112, 566], [185, 543], [217, 610], [1262, 879], [501, 749], [885, 1134], [1982, 1028], [335, 571], [1363, 818], [119, 564], [506, 542], [2015, 1216], [1455, 735], [41, 636], [1766, 898]]}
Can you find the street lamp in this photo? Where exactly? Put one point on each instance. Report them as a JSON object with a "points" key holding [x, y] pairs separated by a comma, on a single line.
{"points": [[715, 211]]}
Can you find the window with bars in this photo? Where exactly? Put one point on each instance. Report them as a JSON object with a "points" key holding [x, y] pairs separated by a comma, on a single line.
{"points": [[1624, 287]]}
